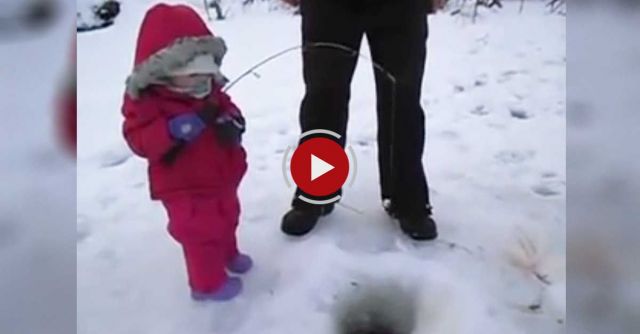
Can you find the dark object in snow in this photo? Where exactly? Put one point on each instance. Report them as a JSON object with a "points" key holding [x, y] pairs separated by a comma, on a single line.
{"points": [[35, 14], [480, 111], [104, 16], [478, 3], [109, 10], [215, 4], [300, 221], [519, 114], [489, 3], [41, 13], [418, 226], [554, 5], [377, 309], [535, 307], [84, 28]]}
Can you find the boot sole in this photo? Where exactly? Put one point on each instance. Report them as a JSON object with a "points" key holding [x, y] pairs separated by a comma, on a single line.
{"points": [[422, 238]]}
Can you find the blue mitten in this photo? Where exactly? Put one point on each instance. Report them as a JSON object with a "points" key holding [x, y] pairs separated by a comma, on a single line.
{"points": [[186, 127]]}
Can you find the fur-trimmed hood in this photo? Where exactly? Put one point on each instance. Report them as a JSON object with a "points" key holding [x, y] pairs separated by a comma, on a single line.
{"points": [[170, 37]]}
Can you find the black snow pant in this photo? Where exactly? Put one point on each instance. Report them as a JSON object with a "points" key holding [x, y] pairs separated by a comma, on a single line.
{"points": [[396, 31]]}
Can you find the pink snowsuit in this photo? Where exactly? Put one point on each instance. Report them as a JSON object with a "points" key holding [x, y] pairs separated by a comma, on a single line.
{"points": [[199, 189]]}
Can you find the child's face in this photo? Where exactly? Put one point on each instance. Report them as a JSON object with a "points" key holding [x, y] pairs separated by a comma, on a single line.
{"points": [[188, 81]]}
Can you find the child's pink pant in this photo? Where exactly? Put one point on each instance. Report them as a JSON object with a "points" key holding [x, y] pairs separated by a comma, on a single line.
{"points": [[205, 226]]}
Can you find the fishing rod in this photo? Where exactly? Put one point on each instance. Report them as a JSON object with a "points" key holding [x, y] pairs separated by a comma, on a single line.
{"points": [[173, 153]]}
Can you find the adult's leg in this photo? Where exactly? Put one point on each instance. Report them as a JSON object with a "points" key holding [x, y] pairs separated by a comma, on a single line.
{"points": [[330, 30], [397, 34]]}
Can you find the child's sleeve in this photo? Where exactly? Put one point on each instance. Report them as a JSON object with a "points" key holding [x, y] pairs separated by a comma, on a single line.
{"points": [[146, 130]]}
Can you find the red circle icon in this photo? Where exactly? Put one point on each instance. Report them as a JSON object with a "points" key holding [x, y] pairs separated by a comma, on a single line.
{"points": [[319, 166]]}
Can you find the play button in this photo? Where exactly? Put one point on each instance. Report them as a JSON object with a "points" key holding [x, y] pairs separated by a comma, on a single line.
{"points": [[319, 167]]}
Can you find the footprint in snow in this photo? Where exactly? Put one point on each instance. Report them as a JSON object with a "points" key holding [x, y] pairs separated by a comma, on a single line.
{"points": [[509, 157], [549, 188], [480, 111], [508, 75], [480, 82], [519, 113]]}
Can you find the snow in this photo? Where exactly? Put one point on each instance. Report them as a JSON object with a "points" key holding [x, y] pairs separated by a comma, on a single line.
{"points": [[495, 99]]}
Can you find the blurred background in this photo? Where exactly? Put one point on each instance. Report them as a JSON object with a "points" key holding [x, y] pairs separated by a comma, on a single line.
{"points": [[37, 167], [603, 166]]}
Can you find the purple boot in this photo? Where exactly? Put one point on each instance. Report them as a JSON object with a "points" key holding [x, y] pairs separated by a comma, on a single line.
{"points": [[230, 289], [241, 264]]}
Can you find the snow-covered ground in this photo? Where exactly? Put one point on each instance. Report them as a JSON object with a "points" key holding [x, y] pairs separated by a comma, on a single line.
{"points": [[495, 98]]}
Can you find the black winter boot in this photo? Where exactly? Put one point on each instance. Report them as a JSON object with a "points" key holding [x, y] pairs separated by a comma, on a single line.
{"points": [[298, 222], [418, 226]]}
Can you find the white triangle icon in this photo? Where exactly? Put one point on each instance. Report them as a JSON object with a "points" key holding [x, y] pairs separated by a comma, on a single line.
{"points": [[319, 167]]}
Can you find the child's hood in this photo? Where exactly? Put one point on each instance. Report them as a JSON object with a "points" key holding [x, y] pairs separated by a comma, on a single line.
{"points": [[170, 37]]}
